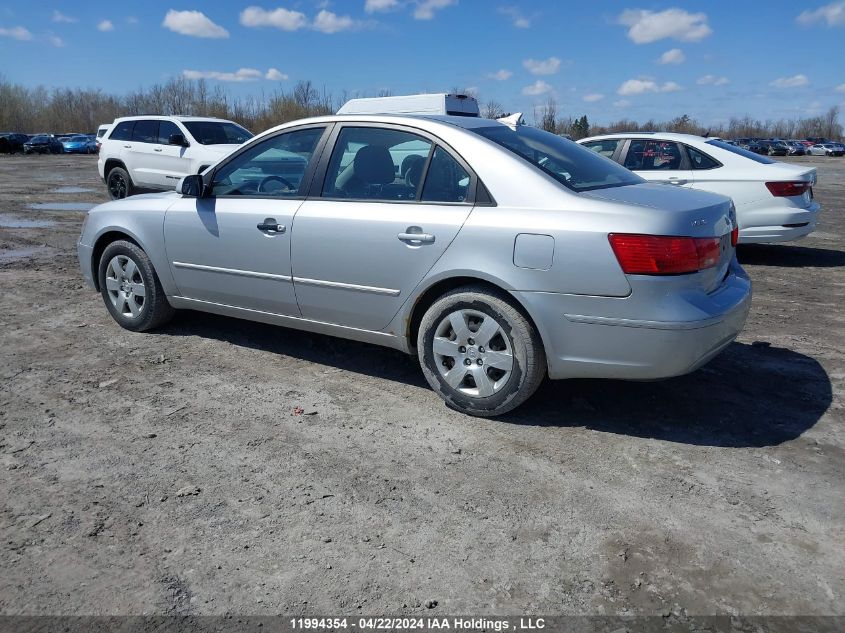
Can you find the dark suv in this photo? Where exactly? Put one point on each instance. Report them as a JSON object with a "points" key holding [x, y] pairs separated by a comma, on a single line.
{"points": [[12, 143]]}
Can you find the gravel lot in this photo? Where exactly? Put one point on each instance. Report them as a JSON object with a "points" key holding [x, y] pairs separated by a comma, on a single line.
{"points": [[170, 472]]}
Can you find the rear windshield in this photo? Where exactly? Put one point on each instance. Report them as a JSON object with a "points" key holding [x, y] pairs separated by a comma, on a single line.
{"points": [[39, 139], [575, 167], [733, 149], [217, 132]]}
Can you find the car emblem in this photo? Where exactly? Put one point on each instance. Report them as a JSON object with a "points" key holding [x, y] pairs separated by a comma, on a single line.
{"points": [[699, 222]]}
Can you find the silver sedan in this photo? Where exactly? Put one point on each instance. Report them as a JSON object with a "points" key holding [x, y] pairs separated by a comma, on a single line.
{"points": [[495, 252]]}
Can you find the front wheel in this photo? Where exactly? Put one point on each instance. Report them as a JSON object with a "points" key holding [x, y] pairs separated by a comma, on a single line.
{"points": [[479, 352], [130, 287]]}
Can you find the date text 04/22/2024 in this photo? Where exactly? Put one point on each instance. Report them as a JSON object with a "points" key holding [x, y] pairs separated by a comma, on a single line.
{"points": [[412, 623]]}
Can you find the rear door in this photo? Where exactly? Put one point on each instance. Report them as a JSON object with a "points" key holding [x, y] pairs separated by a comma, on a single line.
{"points": [[139, 155], [389, 203], [658, 160]]}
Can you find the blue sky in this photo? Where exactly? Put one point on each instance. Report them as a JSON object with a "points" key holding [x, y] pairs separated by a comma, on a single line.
{"points": [[712, 60]]}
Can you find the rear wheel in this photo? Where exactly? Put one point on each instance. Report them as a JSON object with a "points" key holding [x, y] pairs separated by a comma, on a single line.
{"points": [[479, 352], [119, 184], [130, 287]]}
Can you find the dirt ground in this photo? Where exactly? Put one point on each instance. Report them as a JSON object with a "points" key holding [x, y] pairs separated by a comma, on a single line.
{"points": [[168, 472]]}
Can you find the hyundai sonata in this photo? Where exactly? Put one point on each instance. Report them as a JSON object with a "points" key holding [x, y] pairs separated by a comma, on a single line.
{"points": [[495, 252]]}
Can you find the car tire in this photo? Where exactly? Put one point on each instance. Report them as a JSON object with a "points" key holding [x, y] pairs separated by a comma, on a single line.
{"points": [[119, 184], [509, 368], [131, 289]]}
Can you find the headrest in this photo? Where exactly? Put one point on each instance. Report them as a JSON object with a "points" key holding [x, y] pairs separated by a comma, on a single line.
{"points": [[374, 165]]}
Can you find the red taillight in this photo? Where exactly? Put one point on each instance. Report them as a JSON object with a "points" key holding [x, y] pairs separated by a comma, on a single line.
{"points": [[735, 236], [664, 254], [788, 188]]}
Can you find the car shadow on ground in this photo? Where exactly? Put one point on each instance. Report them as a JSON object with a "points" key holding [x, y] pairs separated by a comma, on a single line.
{"points": [[789, 256], [749, 396]]}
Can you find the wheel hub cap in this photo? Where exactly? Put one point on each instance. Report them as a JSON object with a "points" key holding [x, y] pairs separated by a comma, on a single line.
{"points": [[472, 353], [125, 286]]}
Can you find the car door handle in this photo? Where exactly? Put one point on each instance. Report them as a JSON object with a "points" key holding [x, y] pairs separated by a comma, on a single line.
{"points": [[676, 181], [271, 226], [425, 238], [156, 149], [127, 146]]}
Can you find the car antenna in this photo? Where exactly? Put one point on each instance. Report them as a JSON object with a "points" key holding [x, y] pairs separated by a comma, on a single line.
{"points": [[512, 120]]}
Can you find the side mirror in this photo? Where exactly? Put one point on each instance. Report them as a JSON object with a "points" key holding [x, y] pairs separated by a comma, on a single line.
{"points": [[192, 186], [177, 139]]}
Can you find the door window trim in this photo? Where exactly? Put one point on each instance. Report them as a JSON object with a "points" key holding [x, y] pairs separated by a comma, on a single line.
{"points": [[307, 177], [472, 199]]}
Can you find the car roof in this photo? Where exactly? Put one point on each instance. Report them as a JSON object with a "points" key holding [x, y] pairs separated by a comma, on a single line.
{"points": [[669, 136], [166, 117]]}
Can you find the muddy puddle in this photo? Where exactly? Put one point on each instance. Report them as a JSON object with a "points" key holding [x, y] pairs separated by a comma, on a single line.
{"points": [[10, 222]]}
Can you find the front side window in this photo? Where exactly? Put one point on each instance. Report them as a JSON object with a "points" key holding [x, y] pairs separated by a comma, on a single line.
{"points": [[574, 166], [606, 147], [122, 131], [271, 168], [217, 132], [166, 129], [648, 155], [700, 160], [145, 131], [371, 163]]}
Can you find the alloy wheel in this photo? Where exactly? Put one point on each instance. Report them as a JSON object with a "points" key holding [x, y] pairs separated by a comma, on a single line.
{"points": [[117, 186]]}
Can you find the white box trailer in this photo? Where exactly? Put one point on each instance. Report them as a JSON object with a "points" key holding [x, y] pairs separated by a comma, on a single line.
{"points": [[431, 104]]}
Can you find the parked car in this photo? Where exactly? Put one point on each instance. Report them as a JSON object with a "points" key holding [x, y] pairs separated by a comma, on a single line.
{"points": [[80, 144], [12, 143], [774, 201], [154, 152], [826, 149], [43, 144], [795, 148], [102, 130], [774, 148], [757, 147], [495, 252]]}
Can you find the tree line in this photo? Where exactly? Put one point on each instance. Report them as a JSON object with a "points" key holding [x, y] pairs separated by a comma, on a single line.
{"points": [[32, 110]]}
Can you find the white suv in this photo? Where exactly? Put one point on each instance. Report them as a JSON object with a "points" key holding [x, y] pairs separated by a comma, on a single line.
{"points": [[155, 152]]}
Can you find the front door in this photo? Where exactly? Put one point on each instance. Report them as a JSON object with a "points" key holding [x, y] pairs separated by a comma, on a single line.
{"points": [[232, 247], [392, 202], [659, 161]]}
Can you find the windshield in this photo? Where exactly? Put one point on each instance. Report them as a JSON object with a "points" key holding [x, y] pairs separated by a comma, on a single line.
{"points": [[575, 167], [39, 139], [733, 149], [78, 139], [217, 132]]}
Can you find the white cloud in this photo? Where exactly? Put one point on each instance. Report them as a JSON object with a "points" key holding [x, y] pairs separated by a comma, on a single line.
{"points": [[132, 20], [832, 14], [542, 66], [376, 6], [427, 8], [105, 25], [840, 88], [516, 16], [593, 97], [279, 18], [274, 74], [500, 75], [672, 56], [58, 16], [622, 103], [242, 74], [193, 23], [650, 26], [328, 22], [790, 82], [641, 86], [55, 40], [16, 33], [712, 80], [539, 87]]}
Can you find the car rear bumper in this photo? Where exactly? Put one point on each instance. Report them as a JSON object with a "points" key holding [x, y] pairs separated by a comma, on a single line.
{"points": [[580, 345], [778, 224]]}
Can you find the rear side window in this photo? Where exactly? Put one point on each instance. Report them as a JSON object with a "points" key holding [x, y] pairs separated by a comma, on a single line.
{"points": [[700, 160], [122, 131], [645, 155], [606, 147], [145, 131], [445, 180], [371, 163], [166, 129]]}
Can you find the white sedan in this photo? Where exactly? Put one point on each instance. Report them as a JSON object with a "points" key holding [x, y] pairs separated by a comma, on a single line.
{"points": [[774, 201]]}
